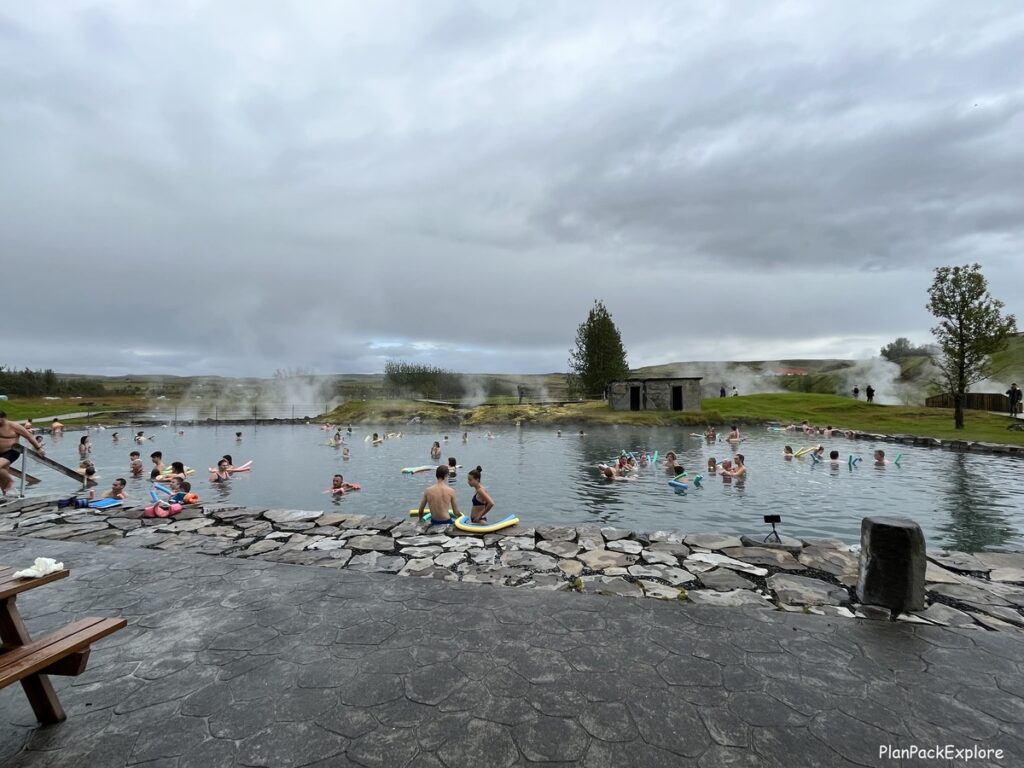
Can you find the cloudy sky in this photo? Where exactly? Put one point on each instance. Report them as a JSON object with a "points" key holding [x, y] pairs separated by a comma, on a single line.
{"points": [[236, 187]]}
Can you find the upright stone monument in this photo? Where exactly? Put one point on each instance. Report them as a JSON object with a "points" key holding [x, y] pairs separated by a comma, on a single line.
{"points": [[892, 564]]}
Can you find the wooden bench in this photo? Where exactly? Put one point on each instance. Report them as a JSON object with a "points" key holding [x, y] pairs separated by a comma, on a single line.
{"points": [[28, 661]]}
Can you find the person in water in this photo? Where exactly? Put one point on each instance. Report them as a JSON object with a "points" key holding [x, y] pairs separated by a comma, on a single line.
{"points": [[880, 460], [435, 450], [465, 437], [339, 486], [439, 499], [135, 464], [177, 471], [787, 453], [712, 466], [833, 458], [10, 435], [157, 458], [610, 474], [221, 474], [452, 466], [56, 428], [116, 490], [734, 434], [83, 446], [670, 461], [482, 501], [739, 469], [238, 437], [709, 433]]}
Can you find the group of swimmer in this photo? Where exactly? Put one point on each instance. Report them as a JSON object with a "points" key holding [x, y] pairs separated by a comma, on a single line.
{"points": [[818, 453]]}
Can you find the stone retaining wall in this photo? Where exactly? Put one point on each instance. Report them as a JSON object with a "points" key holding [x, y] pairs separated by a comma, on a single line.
{"points": [[983, 591]]}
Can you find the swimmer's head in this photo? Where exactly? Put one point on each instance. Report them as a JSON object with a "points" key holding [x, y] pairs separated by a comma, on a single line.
{"points": [[834, 455], [451, 462], [133, 455], [185, 486], [879, 455], [337, 481], [788, 449]]}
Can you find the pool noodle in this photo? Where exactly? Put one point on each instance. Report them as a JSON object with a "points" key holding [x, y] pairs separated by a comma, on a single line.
{"points": [[896, 461]]}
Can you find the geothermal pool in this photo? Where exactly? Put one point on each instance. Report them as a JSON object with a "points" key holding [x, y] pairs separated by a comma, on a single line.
{"points": [[965, 502]]}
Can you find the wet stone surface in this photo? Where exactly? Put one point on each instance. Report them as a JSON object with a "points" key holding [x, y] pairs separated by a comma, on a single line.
{"points": [[230, 661]]}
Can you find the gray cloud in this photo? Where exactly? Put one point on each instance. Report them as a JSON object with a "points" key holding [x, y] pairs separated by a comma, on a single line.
{"points": [[234, 189]]}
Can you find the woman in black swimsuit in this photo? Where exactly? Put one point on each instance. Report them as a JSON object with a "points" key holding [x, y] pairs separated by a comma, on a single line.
{"points": [[482, 501]]}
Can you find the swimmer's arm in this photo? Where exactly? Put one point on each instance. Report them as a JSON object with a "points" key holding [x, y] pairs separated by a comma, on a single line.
{"points": [[455, 507]]}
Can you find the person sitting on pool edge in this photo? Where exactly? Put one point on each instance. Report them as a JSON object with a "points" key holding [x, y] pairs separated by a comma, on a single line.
{"points": [[439, 499], [482, 501]]}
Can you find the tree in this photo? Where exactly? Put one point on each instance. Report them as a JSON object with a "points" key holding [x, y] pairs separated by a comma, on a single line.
{"points": [[971, 329], [599, 356], [899, 349]]}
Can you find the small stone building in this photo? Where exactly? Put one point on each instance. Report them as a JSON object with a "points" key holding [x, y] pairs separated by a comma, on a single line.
{"points": [[669, 394]]}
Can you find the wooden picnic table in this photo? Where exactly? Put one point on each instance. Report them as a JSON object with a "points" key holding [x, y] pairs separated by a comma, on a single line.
{"points": [[28, 661]]}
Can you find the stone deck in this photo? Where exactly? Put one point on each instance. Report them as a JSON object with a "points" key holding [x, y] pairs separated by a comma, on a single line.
{"points": [[230, 661]]}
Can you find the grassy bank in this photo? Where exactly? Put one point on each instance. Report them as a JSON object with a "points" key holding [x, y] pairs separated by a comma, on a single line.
{"points": [[820, 410], [42, 410]]}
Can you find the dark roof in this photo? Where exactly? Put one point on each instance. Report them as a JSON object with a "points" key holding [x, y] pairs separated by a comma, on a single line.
{"points": [[665, 378]]}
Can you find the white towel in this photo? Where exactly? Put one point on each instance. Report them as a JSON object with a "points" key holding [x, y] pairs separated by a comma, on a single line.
{"points": [[41, 567]]}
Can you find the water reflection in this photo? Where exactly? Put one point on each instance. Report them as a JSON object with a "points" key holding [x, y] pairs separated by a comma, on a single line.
{"points": [[973, 502]]}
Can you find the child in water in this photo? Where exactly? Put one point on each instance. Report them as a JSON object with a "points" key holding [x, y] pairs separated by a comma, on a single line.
{"points": [[833, 458]]}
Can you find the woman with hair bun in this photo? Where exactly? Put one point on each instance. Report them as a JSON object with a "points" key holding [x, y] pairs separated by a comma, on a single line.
{"points": [[482, 501]]}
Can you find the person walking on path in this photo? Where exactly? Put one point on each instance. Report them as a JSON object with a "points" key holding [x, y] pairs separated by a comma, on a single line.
{"points": [[869, 393]]}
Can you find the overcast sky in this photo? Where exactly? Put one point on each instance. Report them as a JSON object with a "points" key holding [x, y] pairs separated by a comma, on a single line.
{"points": [[237, 187]]}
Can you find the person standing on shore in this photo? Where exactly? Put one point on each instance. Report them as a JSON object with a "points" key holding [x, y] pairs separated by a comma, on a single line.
{"points": [[869, 393], [1014, 394], [10, 435], [856, 392]]}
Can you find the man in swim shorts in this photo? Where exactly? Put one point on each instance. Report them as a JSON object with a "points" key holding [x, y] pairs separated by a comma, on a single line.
{"points": [[10, 435], [439, 498]]}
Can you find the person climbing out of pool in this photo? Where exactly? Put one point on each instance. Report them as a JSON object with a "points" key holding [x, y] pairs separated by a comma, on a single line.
{"points": [[435, 451], [135, 464], [787, 453], [84, 447], [740, 468], [833, 458], [221, 474], [10, 435], [157, 458], [452, 466], [439, 499], [712, 466], [482, 501]]}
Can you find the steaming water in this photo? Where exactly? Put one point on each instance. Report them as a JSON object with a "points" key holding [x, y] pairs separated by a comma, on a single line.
{"points": [[963, 502]]}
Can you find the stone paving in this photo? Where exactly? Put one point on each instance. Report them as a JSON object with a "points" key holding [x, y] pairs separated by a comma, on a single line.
{"points": [[984, 591], [230, 661]]}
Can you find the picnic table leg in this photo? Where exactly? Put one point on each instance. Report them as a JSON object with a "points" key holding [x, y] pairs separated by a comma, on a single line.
{"points": [[38, 688]]}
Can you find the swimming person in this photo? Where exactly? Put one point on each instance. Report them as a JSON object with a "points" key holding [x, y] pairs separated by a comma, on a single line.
{"points": [[787, 453], [465, 437], [709, 433], [177, 471], [339, 486], [670, 462], [83, 446], [345, 453], [452, 466], [712, 466], [880, 460], [435, 450], [135, 464], [439, 499], [222, 473], [482, 501], [56, 428], [114, 437], [10, 435], [610, 474], [734, 434], [238, 437], [833, 458]]}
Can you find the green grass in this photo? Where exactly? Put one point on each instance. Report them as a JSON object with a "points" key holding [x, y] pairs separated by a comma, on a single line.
{"points": [[822, 410], [41, 410], [579, 414], [390, 412], [1008, 365]]}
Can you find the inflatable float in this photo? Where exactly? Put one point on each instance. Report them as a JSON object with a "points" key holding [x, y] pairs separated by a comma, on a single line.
{"points": [[168, 472], [247, 467], [463, 524], [414, 470]]}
